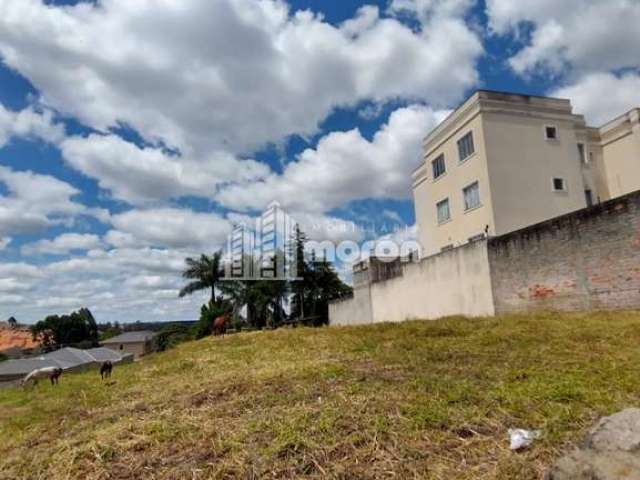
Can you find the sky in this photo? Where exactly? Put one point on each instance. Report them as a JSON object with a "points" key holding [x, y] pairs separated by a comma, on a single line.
{"points": [[135, 134]]}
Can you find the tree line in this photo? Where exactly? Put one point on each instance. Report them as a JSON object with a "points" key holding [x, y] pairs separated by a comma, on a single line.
{"points": [[264, 301], [247, 303], [77, 329]]}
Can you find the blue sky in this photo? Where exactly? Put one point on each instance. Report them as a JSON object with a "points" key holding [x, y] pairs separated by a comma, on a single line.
{"points": [[133, 135]]}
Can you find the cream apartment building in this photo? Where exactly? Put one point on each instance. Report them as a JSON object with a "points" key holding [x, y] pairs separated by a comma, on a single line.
{"points": [[503, 161]]}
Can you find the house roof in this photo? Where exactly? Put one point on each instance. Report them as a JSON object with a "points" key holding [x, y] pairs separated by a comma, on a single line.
{"points": [[130, 337], [64, 358], [103, 354], [26, 365]]}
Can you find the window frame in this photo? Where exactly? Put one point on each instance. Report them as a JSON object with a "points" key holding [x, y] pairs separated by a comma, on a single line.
{"points": [[557, 133], [582, 150], [473, 147], [448, 203], [464, 198], [564, 185], [444, 166]]}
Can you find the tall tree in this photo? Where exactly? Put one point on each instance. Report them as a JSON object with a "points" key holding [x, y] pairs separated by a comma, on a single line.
{"points": [[263, 298], [318, 284], [76, 329], [327, 286], [304, 274], [13, 323], [204, 273]]}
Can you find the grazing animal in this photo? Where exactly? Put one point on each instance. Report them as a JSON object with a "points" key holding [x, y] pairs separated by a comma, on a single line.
{"points": [[220, 325], [105, 369], [52, 373]]}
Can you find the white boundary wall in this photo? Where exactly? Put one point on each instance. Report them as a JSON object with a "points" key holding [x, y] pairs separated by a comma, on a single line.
{"points": [[455, 282]]}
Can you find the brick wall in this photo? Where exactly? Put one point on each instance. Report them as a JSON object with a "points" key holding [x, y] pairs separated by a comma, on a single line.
{"points": [[589, 259]]}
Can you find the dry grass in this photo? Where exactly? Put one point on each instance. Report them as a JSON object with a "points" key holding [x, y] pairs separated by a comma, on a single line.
{"points": [[413, 400]]}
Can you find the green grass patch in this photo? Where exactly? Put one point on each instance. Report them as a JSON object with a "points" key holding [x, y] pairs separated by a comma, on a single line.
{"points": [[428, 399]]}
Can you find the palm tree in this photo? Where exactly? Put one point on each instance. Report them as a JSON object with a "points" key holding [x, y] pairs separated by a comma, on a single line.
{"points": [[205, 272], [262, 298]]}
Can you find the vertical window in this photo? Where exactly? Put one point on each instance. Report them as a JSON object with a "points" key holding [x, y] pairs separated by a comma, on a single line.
{"points": [[471, 196], [438, 166], [465, 146], [588, 196], [551, 132], [582, 153], [559, 185], [443, 211]]}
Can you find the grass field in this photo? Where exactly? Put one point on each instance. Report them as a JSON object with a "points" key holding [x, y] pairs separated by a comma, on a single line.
{"points": [[418, 399]]}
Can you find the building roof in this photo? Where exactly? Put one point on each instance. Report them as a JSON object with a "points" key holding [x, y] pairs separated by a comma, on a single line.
{"points": [[131, 337], [64, 358], [103, 354], [26, 365], [510, 100]]}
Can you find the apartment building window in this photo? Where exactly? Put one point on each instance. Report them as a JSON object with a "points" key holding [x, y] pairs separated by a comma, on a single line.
{"points": [[471, 196], [444, 215], [559, 185], [582, 153], [438, 166], [588, 196], [551, 132], [465, 147]]}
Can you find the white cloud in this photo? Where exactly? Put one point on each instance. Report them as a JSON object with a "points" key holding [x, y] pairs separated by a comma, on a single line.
{"points": [[212, 80], [602, 96], [323, 227], [153, 282], [140, 175], [392, 215], [70, 303], [35, 202], [11, 285], [121, 239], [11, 299], [172, 227], [226, 75], [4, 242], [123, 284], [345, 166], [426, 10], [29, 123], [64, 243], [123, 261], [20, 270], [589, 35]]}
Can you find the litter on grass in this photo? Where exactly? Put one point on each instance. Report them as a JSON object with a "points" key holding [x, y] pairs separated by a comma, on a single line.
{"points": [[520, 438]]}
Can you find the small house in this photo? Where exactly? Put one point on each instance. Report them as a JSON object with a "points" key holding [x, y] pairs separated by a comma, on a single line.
{"points": [[138, 343]]}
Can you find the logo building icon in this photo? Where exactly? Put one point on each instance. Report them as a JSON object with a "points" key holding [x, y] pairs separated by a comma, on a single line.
{"points": [[265, 253]]}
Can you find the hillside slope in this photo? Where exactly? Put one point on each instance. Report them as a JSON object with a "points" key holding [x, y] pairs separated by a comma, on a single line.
{"points": [[20, 339], [419, 399]]}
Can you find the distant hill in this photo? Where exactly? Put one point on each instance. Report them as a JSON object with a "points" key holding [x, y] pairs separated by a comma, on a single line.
{"points": [[13, 340]]}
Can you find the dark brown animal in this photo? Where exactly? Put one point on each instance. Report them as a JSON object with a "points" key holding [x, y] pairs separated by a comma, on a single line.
{"points": [[105, 369], [220, 325]]}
